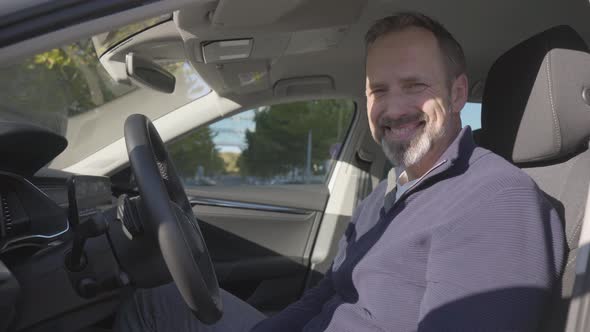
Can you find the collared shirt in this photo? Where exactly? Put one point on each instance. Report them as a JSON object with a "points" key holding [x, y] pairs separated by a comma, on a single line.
{"points": [[402, 187], [397, 185]]}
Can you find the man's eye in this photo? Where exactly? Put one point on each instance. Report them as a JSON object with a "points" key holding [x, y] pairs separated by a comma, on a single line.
{"points": [[416, 87], [377, 92]]}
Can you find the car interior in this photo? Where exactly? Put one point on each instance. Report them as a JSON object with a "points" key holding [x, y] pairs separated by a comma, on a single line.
{"points": [[225, 144]]}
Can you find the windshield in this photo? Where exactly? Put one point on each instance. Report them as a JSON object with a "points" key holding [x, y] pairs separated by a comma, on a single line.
{"points": [[105, 41], [66, 90]]}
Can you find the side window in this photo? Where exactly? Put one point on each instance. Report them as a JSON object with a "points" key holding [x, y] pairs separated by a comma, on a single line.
{"points": [[471, 115], [292, 143]]}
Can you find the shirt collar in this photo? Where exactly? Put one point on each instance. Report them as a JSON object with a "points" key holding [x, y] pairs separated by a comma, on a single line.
{"points": [[395, 178]]}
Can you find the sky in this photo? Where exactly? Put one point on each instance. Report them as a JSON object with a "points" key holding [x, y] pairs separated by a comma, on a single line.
{"points": [[471, 115], [231, 132]]}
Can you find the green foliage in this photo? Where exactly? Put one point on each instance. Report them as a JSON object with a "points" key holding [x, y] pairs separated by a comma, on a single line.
{"points": [[51, 58], [51, 86], [81, 76], [276, 149], [279, 144], [194, 150]]}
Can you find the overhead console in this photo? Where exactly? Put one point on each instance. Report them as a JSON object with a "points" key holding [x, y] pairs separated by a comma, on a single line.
{"points": [[238, 50], [234, 50]]}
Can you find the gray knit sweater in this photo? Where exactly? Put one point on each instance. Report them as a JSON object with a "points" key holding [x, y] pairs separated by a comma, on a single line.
{"points": [[472, 246]]}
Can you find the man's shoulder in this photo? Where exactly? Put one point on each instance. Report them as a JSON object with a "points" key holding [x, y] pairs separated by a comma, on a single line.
{"points": [[489, 169], [500, 196]]}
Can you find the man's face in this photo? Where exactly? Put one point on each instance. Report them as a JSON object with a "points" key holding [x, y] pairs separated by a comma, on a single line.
{"points": [[409, 100]]}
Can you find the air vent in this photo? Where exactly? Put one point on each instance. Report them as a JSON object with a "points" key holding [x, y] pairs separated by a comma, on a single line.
{"points": [[8, 226], [14, 219]]}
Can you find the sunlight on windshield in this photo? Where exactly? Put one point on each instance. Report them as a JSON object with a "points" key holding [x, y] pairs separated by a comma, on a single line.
{"points": [[66, 90]]}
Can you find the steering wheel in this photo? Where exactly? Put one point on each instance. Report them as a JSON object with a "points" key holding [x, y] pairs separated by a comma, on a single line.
{"points": [[171, 220]]}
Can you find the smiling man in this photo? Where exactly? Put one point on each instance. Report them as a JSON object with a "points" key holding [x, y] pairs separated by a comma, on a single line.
{"points": [[415, 92], [456, 239]]}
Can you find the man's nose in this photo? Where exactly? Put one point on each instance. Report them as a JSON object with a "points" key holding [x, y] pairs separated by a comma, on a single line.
{"points": [[397, 106]]}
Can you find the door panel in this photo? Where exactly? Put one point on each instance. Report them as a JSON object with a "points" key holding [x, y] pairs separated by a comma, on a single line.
{"points": [[255, 233], [260, 238]]}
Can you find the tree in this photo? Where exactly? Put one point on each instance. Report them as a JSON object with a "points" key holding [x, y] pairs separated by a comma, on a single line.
{"points": [[279, 144], [196, 150], [82, 77]]}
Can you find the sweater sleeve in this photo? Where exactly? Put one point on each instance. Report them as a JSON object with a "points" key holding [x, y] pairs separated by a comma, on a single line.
{"points": [[493, 270]]}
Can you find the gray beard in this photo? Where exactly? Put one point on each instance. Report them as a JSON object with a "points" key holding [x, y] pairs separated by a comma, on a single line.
{"points": [[406, 154]]}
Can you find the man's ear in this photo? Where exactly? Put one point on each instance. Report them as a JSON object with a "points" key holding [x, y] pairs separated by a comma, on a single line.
{"points": [[459, 93]]}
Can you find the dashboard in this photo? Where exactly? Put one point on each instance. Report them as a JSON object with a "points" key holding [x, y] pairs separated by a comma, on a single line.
{"points": [[69, 250], [28, 218], [35, 213], [40, 222]]}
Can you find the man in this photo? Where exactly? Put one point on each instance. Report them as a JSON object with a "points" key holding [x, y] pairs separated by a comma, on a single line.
{"points": [[460, 241]]}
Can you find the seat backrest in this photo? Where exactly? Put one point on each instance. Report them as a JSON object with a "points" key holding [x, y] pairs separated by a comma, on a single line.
{"points": [[536, 114]]}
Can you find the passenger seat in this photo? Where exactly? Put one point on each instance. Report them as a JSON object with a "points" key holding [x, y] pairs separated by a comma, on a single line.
{"points": [[536, 114]]}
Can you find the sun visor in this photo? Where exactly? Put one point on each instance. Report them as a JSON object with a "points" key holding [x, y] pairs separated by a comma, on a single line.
{"points": [[27, 148], [316, 39]]}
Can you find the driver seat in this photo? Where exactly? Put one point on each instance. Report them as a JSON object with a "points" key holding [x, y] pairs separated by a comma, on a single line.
{"points": [[536, 114]]}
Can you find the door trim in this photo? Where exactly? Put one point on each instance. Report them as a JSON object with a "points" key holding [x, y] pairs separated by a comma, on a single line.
{"points": [[244, 205]]}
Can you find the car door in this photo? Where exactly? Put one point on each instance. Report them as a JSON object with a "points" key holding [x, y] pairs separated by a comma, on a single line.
{"points": [[257, 181]]}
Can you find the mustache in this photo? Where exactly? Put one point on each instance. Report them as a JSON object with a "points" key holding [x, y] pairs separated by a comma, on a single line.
{"points": [[402, 120]]}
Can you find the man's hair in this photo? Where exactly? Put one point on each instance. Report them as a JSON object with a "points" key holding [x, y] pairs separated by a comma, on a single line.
{"points": [[454, 58]]}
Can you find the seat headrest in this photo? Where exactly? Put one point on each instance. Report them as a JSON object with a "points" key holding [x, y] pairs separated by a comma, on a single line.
{"points": [[535, 105]]}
